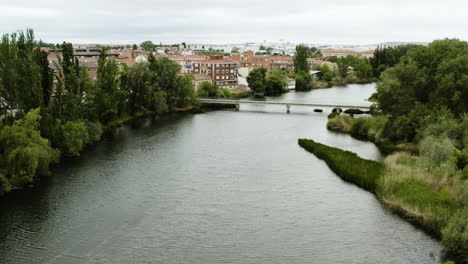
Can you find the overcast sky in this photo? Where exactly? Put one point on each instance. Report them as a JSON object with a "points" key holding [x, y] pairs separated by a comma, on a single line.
{"points": [[220, 21]]}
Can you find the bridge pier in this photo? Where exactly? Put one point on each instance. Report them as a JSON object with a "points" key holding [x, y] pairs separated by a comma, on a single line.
{"points": [[237, 107], [288, 107]]}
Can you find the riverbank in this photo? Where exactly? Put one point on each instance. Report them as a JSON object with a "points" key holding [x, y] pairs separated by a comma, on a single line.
{"points": [[427, 199], [77, 144]]}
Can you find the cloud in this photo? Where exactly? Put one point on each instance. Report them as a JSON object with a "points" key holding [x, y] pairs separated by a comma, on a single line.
{"points": [[215, 21]]}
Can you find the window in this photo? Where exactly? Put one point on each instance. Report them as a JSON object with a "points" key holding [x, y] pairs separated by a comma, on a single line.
{"points": [[196, 64], [217, 71], [217, 77], [196, 70], [222, 77], [232, 71]]}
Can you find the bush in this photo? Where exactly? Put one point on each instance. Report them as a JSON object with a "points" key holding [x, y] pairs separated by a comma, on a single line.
{"points": [[354, 111], [75, 135], [461, 158], [340, 123], [5, 185], [208, 89], [438, 149], [94, 131], [303, 82], [455, 234]]}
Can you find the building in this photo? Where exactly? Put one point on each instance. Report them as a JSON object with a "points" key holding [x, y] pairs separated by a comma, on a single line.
{"points": [[249, 61], [199, 78], [367, 54], [222, 71], [186, 62], [338, 53], [313, 62], [343, 53], [291, 83]]}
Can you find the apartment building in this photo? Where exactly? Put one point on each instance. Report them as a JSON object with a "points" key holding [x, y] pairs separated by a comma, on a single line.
{"points": [[251, 61], [222, 71], [344, 53]]}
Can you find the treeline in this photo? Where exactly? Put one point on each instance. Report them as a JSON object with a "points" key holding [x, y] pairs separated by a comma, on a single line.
{"points": [[421, 114], [349, 69], [47, 113]]}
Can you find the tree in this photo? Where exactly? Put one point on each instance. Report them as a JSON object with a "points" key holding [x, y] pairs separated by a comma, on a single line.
{"points": [[327, 73], [109, 95], [20, 72], [301, 65], [47, 75], [208, 89], [257, 81], [185, 91], [147, 45], [276, 82], [164, 72], [302, 68], [24, 154]]}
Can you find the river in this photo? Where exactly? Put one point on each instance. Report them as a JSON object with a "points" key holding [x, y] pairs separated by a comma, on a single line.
{"points": [[219, 187]]}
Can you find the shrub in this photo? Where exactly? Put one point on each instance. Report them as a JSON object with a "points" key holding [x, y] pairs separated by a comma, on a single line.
{"points": [[461, 158], [208, 89], [5, 185], [94, 131], [455, 234], [354, 111], [439, 149], [340, 123]]}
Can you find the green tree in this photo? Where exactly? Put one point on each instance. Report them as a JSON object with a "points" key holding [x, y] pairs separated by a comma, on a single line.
{"points": [[301, 65], [208, 89], [109, 95], [147, 45], [185, 91], [164, 72], [302, 68], [327, 73], [276, 83], [257, 81], [24, 154]]}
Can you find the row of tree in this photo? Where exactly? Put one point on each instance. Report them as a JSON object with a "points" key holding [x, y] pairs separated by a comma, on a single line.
{"points": [[48, 112]]}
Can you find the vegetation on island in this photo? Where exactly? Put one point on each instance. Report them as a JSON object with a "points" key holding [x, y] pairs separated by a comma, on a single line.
{"points": [[420, 117], [49, 113]]}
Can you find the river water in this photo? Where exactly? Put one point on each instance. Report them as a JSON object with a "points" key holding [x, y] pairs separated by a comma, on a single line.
{"points": [[219, 187]]}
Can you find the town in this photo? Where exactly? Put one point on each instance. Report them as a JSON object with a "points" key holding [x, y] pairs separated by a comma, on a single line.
{"points": [[223, 69]]}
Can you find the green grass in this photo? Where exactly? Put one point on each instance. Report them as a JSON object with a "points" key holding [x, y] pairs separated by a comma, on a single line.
{"points": [[420, 195], [349, 166]]}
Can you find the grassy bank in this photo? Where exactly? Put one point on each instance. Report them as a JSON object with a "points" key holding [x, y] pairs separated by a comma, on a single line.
{"points": [[435, 199], [364, 173], [364, 128]]}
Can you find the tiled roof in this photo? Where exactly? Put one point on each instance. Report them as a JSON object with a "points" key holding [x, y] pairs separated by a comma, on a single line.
{"points": [[339, 51]]}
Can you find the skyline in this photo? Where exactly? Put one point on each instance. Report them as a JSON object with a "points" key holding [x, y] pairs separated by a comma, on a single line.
{"points": [[339, 22]]}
